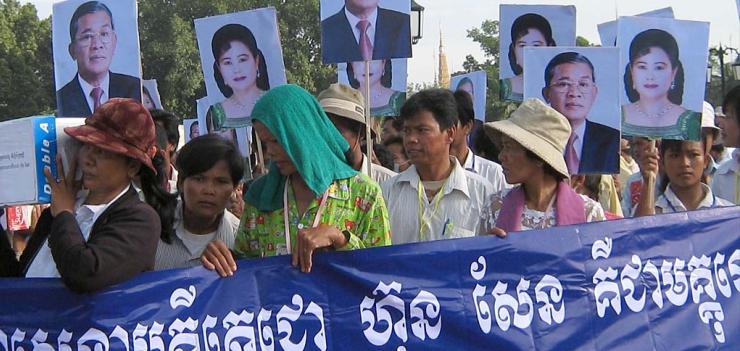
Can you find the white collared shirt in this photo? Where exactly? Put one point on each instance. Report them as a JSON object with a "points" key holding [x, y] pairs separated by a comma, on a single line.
{"points": [[578, 143], [353, 20], [378, 172], [488, 169], [670, 203], [726, 181], [87, 90], [460, 210], [43, 265]]}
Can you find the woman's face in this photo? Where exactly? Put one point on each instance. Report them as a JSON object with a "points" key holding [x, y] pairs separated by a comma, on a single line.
{"points": [[147, 102], [515, 163], [275, 151], [206, 194], [377, 69], [194, 132], [533, 38], [103, 171], [468, 88], [685, 167], [238, 66], [652, 74], [730, 128]]}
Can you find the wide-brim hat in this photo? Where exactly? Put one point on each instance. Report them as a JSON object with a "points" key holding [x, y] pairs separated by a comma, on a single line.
{"points": [[122, 126], [346, 102], [539, 129]]}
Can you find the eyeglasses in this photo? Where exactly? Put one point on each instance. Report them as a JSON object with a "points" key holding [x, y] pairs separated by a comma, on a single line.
{"points": [[564, 86], [104, 37]]}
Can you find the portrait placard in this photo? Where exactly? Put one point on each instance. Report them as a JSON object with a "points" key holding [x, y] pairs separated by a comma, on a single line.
{"points": [[150, 97], [663, 62], [357, 30], [582, 84], [96, 54], [387, 84], [476, 84], [608, 30], [530, 25], [241, 58], [191, 127]]}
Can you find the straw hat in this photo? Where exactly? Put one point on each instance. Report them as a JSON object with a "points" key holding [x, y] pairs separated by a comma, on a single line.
{"points": [[538, 128], [122, 126]]}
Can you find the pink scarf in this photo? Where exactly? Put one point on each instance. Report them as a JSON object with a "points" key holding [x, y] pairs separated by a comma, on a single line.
{"points": [[569, 208]]}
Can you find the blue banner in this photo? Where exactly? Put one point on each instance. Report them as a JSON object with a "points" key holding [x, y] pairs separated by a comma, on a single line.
{"points": [[668, 282]]}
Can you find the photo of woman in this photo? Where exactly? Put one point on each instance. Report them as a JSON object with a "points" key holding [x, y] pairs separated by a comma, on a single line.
{"points": [[475, 84], [241, 59], [528, 30], [384, 100], [654, 81]]}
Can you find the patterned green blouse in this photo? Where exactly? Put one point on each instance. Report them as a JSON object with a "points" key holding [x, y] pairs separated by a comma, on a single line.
{"points": [[393, 108], [220, 122], [687, 127], [354, 204]]}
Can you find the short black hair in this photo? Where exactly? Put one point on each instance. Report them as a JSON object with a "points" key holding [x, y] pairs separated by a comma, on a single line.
{"points": [[465, 111], [393, 140], [520, 28], [567, 57], [386, 79], [86, 9], [439, 102], [641, 46], [170, 122], [221, 43], [202, 153], [384, 156], [732, 101]]}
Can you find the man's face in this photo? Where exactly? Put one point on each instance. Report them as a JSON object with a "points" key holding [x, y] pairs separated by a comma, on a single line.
{"points": [[356, 6], [425, 142], [93, 45], [572, 90]]}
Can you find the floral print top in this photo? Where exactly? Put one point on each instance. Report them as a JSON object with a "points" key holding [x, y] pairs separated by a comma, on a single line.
{"points": [[354, 204]]}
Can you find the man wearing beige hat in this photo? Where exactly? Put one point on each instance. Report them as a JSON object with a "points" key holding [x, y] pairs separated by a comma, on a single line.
{"points": [[435, 198], [345, 107]]}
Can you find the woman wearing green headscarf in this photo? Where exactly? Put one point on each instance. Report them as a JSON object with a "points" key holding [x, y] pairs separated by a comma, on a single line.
{"points": [[311, 198]]}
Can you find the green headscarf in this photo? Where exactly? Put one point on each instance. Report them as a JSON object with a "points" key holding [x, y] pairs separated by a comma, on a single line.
{"points": [[314, 145]]}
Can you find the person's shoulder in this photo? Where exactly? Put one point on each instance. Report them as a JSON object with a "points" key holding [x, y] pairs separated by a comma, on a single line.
{"points": [[362, 183], [334, 19], [72, 85], [723, 203], [123, 78], [388, 13], [601, 129], [477, 181]]}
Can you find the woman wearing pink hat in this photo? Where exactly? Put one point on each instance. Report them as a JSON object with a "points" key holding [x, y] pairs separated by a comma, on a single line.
{"points": [[106, 235]]}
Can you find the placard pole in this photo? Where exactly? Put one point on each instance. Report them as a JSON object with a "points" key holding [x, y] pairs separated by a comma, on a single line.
{"points": [[368, 121]]}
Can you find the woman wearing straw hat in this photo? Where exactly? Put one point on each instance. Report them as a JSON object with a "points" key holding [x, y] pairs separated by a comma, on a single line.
{"points": [[311, 199], [108, 235], [533, 140]]}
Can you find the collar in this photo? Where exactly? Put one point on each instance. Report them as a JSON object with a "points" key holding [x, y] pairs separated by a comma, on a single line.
{"points": [[339, 189], [353, 20], [670, 201], [97, 210], [469, 162], [87, 87], [731, 165], [458, 179], [179, 224]]}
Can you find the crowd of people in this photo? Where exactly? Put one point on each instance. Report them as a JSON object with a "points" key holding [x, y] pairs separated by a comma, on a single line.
{"points": [[142, 205]]}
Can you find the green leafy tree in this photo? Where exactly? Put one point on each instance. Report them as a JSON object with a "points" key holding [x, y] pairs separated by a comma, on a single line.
{"points": [[26, 78]]}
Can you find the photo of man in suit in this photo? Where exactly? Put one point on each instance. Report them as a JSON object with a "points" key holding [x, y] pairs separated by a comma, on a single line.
{"points": [[92, 46], [570, 88], [363, 31]]}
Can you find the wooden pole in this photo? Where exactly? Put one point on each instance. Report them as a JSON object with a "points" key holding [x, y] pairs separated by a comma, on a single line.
{"points": [[368, 121]]}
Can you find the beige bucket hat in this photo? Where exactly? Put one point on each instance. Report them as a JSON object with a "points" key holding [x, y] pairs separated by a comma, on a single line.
{"points": [[538, 128]]}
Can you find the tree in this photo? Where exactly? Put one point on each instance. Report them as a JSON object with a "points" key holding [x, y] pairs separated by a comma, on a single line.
{"points": [[488, 38], [26, 78]]}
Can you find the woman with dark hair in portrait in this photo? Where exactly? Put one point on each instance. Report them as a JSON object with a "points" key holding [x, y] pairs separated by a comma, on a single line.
{"points": [[654, 83], [210, 170], [310, 196], [384, 101], [466, 85], [240, 71], [533, 139], [106, 234], [527, 30]]}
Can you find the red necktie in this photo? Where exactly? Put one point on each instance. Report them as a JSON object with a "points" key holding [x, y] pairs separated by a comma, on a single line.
{"points": [[96, 93], [571, 157], [366, 48]]}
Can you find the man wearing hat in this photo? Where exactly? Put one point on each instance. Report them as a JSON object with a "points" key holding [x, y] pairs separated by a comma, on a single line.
{"points": [[345, 107], [435, 198]]}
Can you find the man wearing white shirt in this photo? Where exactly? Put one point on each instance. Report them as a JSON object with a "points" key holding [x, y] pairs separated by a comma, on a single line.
{"points": [[487, 169], [436, 198], [363, 31], [726, 181]]}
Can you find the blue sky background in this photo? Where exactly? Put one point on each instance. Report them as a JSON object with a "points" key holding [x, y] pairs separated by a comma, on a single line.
{"points": [[455, 17]]}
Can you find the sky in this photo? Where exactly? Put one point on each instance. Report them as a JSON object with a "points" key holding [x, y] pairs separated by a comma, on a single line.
{"points": [[455, 17]]}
